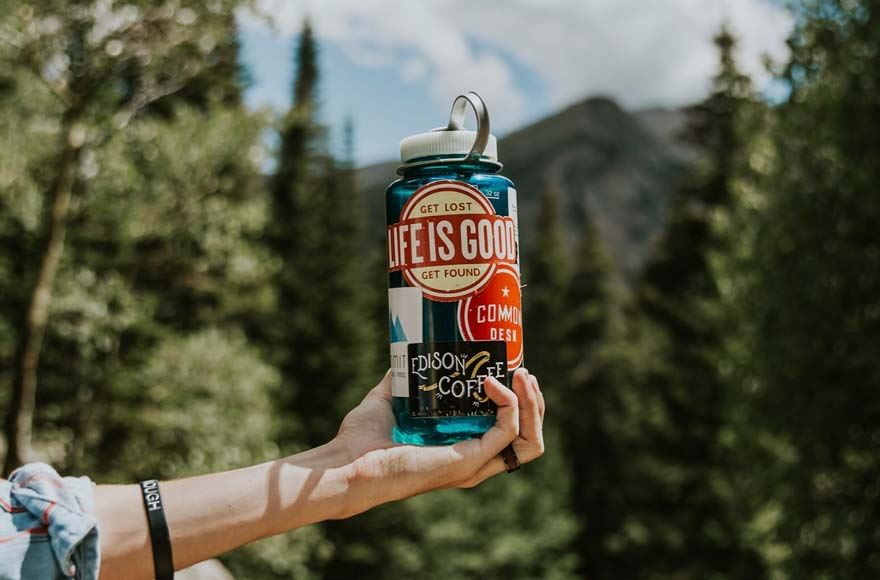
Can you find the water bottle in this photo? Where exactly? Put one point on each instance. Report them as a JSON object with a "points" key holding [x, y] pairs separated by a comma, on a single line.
{"points": [[455, 306]]}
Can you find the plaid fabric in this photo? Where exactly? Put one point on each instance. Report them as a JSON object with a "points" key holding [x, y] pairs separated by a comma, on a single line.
{"points": [[48, 529]]}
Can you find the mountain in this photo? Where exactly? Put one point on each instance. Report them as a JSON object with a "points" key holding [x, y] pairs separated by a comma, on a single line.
{"points": [[616, 166]]}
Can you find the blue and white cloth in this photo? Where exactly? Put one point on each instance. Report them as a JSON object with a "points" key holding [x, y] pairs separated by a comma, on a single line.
{"points": [[48, 529]]}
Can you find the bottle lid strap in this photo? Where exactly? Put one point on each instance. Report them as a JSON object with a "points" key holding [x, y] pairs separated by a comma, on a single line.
{"points": [[456, 123]]}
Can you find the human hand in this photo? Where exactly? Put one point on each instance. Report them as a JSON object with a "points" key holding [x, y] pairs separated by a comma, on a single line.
{"points": [[380, 470], [361, 468]]}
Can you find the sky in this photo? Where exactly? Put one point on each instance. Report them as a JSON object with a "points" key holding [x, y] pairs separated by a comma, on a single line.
{"points": [[394, 66]]}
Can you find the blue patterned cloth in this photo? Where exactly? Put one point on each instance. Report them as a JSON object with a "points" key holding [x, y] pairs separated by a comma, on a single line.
{"points": [[48, 529]]}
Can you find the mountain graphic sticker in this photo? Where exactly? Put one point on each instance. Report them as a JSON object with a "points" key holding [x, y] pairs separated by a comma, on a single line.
{"points": [[405, 326], [397, 333]]}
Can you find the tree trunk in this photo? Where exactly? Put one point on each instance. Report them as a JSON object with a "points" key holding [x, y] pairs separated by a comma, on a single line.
{"points": [[19, 420]]}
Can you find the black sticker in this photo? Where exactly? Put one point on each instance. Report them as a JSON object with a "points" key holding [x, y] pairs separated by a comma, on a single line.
{"points": [[446, 378]]}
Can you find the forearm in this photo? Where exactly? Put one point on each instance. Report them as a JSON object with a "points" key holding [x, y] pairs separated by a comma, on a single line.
{"points": [[212, 514]]}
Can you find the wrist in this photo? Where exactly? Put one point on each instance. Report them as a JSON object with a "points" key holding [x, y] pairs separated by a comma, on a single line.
{"points": [[307, 488], [330, 455], [368, 485]]}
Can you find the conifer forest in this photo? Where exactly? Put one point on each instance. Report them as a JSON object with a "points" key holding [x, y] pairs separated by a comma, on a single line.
{"points": [[190, 285]]}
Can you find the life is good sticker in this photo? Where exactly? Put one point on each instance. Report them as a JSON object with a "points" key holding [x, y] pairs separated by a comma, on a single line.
{"points": [[449, 241], [495, 313]]}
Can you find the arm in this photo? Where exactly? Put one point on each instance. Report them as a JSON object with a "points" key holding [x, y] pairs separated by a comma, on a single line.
{"points": [[359, 469], [212, 514]]}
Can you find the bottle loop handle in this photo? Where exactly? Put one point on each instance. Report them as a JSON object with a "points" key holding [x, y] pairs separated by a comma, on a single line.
{"points": [[456, 123], [481, 113]]}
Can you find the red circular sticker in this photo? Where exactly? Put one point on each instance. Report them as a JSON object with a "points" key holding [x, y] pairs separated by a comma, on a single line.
{"points": [[449, 240], [495, 313]]}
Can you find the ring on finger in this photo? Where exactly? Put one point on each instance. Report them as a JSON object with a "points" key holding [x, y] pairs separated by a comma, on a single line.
{"points": [[511, 461]]}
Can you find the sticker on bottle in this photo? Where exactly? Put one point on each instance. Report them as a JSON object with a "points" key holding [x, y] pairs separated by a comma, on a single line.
{"points": [[450, 240], [513, 213], [446, 378], [405, 327], [495, 313]]}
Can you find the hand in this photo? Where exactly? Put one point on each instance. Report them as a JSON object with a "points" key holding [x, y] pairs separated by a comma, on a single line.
{"points": [[381, 470], [361, 468]]}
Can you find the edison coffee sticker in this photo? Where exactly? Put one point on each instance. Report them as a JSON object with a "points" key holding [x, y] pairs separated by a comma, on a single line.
{"points": [[449, 241], [495, 313], [446, 378]]}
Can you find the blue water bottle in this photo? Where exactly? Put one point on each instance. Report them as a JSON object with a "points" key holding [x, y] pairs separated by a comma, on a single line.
{"points": [[455, 307]]}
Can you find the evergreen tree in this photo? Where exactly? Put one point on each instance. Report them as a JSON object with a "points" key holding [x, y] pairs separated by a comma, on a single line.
{"points": [[589, 416], [815, 299], [545, 275], [102, 77], [143, 368], [324, 335], [691, 528], [325, 340]]}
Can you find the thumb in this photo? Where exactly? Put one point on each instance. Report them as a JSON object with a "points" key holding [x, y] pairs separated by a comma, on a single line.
{"points": [[383, 389]]}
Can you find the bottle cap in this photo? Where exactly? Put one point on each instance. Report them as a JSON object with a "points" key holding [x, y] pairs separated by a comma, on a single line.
{"points": [[445, 143], [453, 143]]}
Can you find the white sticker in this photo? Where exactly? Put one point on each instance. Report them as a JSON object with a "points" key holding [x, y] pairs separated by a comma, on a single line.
{"points": [[512, 212], [399, 364], [405, 326]]}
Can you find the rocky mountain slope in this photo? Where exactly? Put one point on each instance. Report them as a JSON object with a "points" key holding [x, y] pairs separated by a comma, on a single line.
{"points": [[615, 167]]}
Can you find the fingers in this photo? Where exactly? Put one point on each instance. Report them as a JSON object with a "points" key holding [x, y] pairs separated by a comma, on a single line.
{"points": [[534, 381], [492, 468], [506, 426], [525, 452], [530, 443], [529, 411]]}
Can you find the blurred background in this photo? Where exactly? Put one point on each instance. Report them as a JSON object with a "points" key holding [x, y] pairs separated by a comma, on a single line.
{"points": [[192, 275]]}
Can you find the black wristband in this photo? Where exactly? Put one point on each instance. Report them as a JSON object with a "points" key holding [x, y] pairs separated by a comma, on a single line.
{"points": [[160, 537]]}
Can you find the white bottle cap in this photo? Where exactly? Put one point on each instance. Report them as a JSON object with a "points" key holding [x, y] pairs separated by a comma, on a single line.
{"points": [[446, 144]]}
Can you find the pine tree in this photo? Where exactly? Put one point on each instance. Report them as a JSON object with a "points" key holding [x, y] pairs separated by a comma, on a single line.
{"points": [[325, 339], [296, 204], [589, 415], [324, 335], [816, 297], [691, 528], [545, 275]]}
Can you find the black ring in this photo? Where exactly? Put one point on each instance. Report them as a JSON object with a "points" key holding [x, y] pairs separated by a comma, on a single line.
{"points": [[511, 461]]}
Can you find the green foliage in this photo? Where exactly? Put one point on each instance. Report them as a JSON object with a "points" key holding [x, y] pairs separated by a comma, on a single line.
{"points": [[192, 389], [146, 370], [719, 419], [323, 343], [682, 326], [544, 309], [298, 554], [813, 297], [514, 527], [590, 415], [160, 247]]}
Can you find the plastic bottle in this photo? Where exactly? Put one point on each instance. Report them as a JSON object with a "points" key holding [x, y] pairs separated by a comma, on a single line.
{"points": [[455, 308]]}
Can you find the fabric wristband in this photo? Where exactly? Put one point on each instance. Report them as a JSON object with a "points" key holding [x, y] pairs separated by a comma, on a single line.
{"points": [[160, 537]]}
